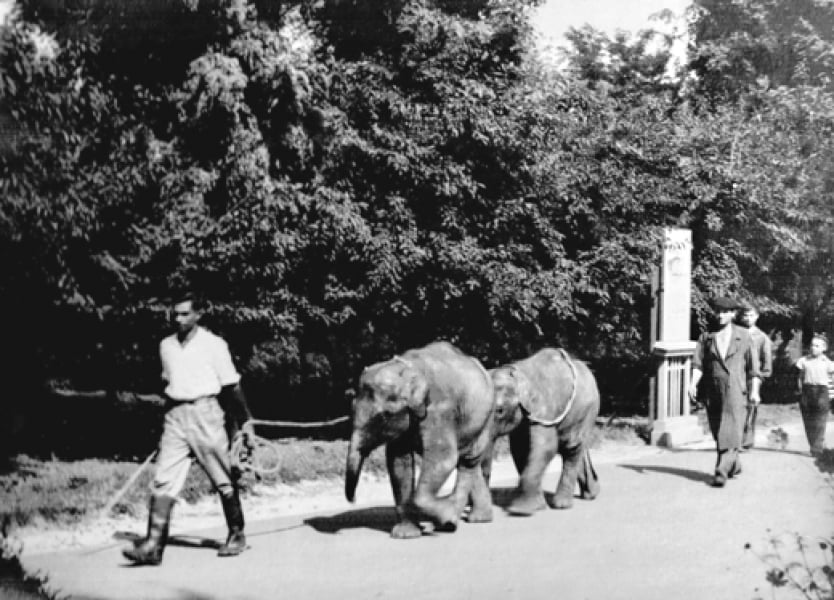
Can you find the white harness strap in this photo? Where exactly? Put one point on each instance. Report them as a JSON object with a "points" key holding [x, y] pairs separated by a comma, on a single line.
{"points": [[565, 412], [400, 359]]}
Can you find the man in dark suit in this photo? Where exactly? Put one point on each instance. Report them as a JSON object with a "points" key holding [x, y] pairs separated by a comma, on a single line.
{"points": [[727, 362]]}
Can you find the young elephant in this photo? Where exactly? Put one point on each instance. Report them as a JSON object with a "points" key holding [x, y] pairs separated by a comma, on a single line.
{"points": [[437, 402], [548, 403]]}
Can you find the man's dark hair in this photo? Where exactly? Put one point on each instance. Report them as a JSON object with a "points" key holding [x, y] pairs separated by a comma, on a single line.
{"points": [[198, 303]]}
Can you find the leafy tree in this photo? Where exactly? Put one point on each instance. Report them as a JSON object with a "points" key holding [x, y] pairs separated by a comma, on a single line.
{"points": [[344, 197], [741, 45]]}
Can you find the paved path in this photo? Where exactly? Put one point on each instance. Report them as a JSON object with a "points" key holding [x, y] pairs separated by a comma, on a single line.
{"points": [[658, 530]]}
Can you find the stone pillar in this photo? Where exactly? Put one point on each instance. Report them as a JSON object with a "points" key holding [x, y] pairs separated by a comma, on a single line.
{"points": [[672, 424]]}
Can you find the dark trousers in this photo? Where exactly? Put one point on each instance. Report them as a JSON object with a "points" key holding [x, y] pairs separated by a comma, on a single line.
{"points": [[814, 406]]}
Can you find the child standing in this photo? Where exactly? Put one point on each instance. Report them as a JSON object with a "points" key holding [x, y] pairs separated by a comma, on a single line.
{"points": [[815, 370]]}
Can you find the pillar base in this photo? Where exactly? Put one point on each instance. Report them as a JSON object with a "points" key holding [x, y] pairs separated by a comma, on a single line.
{"points": [[677, 431]]}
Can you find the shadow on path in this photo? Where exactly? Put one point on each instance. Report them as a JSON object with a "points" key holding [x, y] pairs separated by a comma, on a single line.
{"points": [[187, 541], [378, 518], [697, 476], [180, 594]]}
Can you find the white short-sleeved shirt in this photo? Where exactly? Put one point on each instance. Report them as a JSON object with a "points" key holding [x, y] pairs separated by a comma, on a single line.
{"points": [[815, 370], [199, 368]]}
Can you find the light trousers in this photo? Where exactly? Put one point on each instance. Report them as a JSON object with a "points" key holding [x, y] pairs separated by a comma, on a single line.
{"points": [[193, 430]]}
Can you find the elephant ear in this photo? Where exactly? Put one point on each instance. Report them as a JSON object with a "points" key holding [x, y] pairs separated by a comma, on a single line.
{"points": [[531, 399], [415, 391]]}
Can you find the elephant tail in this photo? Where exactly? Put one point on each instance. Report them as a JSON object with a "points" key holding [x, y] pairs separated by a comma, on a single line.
{"points": [[568, 406]]}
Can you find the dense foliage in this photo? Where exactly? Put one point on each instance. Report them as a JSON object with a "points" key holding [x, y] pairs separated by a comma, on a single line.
{"points": [[342, 196]]}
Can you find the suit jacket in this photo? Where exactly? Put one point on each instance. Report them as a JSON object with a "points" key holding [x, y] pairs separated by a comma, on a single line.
{"points": [[726, 382], [764, 348]]}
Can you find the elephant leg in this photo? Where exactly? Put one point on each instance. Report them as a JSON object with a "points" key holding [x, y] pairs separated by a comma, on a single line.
{"points": [[471, 486], [520, 446], [486, 462], [587, 477], [478, 494], [400, 461], [439, 460], [462, 491], [571, 459], [543, 446]]}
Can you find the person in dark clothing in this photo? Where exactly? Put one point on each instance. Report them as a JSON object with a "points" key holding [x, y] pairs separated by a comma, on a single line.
{"points": [[748, 316], [815, 371], [727, 362]]}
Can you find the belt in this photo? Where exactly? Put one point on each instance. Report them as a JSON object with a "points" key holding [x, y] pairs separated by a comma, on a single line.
{"points": [[175, 401]]}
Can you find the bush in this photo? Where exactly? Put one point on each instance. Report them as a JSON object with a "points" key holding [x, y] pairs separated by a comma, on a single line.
{"points": [[15, 583]]}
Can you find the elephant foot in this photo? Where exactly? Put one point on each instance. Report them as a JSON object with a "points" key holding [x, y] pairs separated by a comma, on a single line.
{"points": [[590, 492], [405, 530], [524, 506], [481, 515], [562, 502]]}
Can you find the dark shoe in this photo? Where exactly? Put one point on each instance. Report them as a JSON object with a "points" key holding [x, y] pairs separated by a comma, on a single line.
{"points": [[235, 544], [149, 550], [735, 472], [236, 541], [718, 481]]}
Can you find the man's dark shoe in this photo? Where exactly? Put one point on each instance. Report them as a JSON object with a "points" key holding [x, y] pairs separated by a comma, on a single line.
{"points": [[735, 471], [718, 481], [149, 550]]}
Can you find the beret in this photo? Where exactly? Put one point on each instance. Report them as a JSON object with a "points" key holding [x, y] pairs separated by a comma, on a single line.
{"points": [[724, 303]]}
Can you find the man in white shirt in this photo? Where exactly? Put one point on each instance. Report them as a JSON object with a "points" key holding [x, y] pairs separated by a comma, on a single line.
{"points": [[199, 375]]}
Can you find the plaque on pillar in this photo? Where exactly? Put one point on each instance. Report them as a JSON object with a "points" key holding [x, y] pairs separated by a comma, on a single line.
{"points": [[672, 423]]}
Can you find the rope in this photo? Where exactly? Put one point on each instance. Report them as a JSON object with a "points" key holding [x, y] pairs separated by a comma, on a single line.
{"points": [[253, 453], [131, 480], [299, 424], [260, 455], [565, 412]]}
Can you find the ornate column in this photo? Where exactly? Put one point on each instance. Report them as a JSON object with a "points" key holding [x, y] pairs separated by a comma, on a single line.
{"points": [[672, 424]]}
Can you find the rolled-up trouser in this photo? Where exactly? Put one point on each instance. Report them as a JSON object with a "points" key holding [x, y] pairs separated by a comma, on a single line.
{"points": [[814, 406], [193, 429]]}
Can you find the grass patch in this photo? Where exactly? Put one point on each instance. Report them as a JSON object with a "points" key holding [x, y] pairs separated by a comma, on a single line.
{"points": [[67, 492]]}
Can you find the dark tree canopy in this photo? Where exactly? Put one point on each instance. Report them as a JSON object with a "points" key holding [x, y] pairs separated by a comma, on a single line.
{"points": [[346, 188]]}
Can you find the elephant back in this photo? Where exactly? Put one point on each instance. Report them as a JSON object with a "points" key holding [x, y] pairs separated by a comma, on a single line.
{"points": [[458, 381], [563, 388]]}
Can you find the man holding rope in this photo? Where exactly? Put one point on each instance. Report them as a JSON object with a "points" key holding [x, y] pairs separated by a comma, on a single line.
{"points": [[202, 390]]}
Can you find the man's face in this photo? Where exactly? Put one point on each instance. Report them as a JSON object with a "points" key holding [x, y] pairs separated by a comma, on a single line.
{"points": [[749, 318], [185, 316], [724, 316]]}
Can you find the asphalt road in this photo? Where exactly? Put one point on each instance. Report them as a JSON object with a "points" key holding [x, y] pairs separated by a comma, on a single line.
{"points": [[658, 530]]}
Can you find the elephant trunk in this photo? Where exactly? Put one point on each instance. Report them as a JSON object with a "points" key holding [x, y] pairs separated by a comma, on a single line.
{"points": [[355, 458]]}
